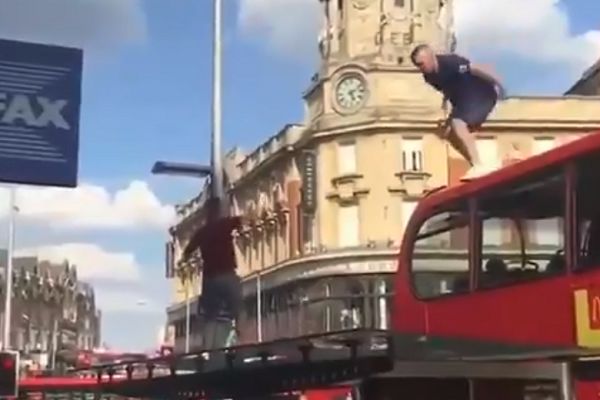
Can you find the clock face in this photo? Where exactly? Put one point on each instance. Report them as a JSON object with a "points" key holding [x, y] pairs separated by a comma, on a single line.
{"points": [[351, 92]]}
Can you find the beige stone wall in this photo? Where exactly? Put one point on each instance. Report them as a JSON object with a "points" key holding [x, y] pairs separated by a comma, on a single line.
{"points": [[380, 185]]}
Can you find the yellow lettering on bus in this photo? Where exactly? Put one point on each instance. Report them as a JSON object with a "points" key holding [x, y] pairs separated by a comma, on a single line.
{"points": [[595, 314], [587, 321]]}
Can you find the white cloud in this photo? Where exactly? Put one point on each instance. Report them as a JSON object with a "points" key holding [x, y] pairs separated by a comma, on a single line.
{"points": [[116, 276], [92, 261], [90, 24], [92, 206], [126, 301], [289, 26], [537, 30]]}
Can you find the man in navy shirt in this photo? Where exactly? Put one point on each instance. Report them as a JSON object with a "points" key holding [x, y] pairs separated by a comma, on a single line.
{"points": [[473, 92]]}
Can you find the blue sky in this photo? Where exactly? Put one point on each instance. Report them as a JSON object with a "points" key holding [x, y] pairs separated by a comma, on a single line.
{"points": [[147, 96]]}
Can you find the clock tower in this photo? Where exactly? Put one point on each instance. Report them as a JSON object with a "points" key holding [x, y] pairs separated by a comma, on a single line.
{"points": [[365, 67]]}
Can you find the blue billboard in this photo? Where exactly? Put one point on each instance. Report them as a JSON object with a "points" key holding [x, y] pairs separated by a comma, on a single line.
{"points": [[40, 97]]}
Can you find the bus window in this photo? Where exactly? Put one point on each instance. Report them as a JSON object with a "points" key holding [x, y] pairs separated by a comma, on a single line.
{"points": [[522, 232], [440, 260], [588, 213]]}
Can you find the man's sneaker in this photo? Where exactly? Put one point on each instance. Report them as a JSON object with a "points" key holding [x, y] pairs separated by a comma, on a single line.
{"points": [[477, 171]]}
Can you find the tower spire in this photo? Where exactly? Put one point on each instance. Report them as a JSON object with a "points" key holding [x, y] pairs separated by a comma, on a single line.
{"points": [[383, 31]]}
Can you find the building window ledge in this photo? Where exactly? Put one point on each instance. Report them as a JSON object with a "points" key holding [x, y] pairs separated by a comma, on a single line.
{"points": [[347, 192], [345, 178], [412, 175], [412, 183], [346, 189], [348, 195]]}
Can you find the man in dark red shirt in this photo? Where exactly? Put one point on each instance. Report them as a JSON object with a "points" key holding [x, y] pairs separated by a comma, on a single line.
{"points": [[221, 286]]}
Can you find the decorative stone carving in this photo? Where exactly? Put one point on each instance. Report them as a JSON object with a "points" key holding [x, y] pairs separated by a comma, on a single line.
{"points": [[235, 207], [324, 40], [251, 210], [264, 204], [445, 24], [282, 208], [279, 197]]}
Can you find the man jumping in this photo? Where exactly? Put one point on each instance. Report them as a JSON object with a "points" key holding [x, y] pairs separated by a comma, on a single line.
{"points": [[221, 285], [473, 92]]}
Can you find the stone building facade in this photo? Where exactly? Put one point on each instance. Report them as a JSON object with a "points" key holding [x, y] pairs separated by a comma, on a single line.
{"points": [[329, 198], [54, 314]]}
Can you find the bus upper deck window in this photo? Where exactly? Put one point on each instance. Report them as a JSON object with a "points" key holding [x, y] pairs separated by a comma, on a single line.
{"points": [[440, 260], [588, 213], [522, 233]]}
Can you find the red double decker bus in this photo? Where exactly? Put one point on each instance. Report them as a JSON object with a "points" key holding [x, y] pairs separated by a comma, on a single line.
{"points": [[507, 268], [507, 265]]}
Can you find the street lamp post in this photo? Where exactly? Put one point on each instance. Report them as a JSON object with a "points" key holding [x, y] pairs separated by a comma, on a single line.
{"points": [[215, 170], [216, 164]]}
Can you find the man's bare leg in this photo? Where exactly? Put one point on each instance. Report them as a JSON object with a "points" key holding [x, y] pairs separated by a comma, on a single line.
{"points": [[464, 141], [458, 145], [447, 133]]}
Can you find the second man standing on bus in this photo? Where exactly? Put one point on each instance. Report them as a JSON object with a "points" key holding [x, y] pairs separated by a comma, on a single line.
{"points": [[221, 285]]}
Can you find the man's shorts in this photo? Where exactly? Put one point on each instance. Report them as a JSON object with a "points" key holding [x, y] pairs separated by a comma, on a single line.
{"points": [[221, 295], [473, 113]]}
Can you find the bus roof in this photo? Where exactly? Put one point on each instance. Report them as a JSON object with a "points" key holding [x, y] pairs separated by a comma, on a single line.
{"points": [[520, 169]]}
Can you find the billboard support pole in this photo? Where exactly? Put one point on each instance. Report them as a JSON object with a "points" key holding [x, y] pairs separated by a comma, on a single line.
{"points": [[9, 268]]}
